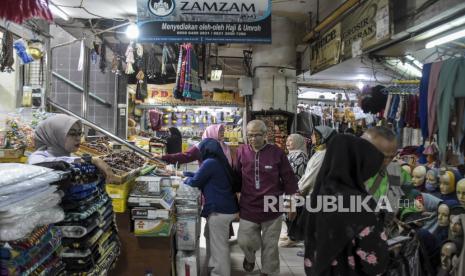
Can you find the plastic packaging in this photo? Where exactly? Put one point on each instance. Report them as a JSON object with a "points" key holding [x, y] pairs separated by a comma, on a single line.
{"points": [[36, 198], [13, 172], [31, 184], [20, 227], [45, 203], [9, 199]]}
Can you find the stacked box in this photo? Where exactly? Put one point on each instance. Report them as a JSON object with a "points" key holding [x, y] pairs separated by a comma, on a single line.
{"points": [[151, 201]]}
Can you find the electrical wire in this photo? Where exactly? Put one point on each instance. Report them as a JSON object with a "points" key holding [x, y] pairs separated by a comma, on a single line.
{"points": [[81, 6]]}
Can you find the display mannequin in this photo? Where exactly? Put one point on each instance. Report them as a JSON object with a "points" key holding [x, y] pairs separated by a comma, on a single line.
{"points": [[442, 231], [447, 185], [432, 182], [461, 192], [455, 225], [448, 257], [418, 178]]}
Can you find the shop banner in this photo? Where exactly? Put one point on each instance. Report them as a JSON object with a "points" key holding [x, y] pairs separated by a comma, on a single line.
{"points": [[367, 26], [163, 94], [326, 50], [204, 21]]}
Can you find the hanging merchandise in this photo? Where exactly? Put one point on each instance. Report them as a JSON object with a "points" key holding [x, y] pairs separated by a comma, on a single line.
{"points": [[141, 89], [117, 62], [21, 50], [153, 65], [130, 59], [187, 81], [156, 119], [192, 87], [93, 56], [81, 57], [165, 59], [35, 48], [103, 59], [7, 59], [20, 10]]}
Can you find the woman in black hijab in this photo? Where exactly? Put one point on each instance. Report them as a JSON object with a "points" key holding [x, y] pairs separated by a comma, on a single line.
{"points": [[346, 243], [174, 142]]}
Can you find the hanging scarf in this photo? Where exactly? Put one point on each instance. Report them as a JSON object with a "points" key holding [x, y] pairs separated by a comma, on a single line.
{"points": [[103, 60], [20, 10], [81, 57], [129, 59]]}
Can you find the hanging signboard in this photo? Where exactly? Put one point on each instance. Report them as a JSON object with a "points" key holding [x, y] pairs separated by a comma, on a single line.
{"points": [[204, 21], [368, 24], [163, 94], [325, 51]]}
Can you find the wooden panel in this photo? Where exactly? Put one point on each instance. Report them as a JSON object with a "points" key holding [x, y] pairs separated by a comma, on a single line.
{"points": [[140, 255]]}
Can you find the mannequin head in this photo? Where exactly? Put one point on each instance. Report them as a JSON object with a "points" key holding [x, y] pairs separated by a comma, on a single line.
{"points": [[461, 192], [431, 180], [419, 204], [448, 252], [455, 227], [447, 182], [443, 215], [455, 223], [419, 176]]}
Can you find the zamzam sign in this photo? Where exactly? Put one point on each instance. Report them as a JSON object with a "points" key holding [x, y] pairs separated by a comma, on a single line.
{"points": [[208, 21], [217, 7]]}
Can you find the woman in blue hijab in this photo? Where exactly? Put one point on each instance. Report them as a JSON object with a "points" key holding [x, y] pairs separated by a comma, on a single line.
{"points": [[215, 179]]}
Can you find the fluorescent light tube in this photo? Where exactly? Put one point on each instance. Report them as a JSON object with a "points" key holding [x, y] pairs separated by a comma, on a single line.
{"points": [[58, 12], [445, 39]]}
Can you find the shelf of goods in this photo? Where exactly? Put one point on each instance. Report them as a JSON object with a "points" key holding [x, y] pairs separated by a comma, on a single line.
{"points": [[90, 240], [278, 124], [191, 120], [46, 232], [161, 226]]}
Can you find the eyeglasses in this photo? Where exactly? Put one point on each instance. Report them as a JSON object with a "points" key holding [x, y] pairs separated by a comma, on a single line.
{"points": [[254, 135], [73, 133]]}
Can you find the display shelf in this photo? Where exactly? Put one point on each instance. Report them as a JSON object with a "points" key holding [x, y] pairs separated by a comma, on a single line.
{"points": [[149, 106]]}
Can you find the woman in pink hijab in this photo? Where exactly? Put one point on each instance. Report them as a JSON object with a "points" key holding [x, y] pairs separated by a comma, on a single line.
{"points": [[193, 154]]}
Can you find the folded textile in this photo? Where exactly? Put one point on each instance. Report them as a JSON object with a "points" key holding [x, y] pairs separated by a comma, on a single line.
{"points": [[73, 216], [26, 261]]}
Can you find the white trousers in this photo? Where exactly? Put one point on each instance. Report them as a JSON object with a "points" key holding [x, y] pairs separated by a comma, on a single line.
{"points": [[218, 243], [253, 236]]}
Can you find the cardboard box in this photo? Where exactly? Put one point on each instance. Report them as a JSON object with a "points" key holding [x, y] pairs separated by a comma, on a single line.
{"points": [[119, 205], [150, 213], [153, 228], [119, 191], [164, 201]]}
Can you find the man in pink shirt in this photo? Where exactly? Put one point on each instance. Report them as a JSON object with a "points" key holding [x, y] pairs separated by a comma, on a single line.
{"points": [[264, 171]]}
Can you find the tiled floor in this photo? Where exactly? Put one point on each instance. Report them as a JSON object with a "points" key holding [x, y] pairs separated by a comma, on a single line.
{"points": [[290, 263]]}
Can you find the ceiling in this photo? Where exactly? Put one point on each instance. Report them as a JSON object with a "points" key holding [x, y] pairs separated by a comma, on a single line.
{"points": [[297, 10], [96, 15]]}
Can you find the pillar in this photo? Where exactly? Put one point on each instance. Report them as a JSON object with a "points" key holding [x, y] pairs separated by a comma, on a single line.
{"points": [[274, 69]]}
